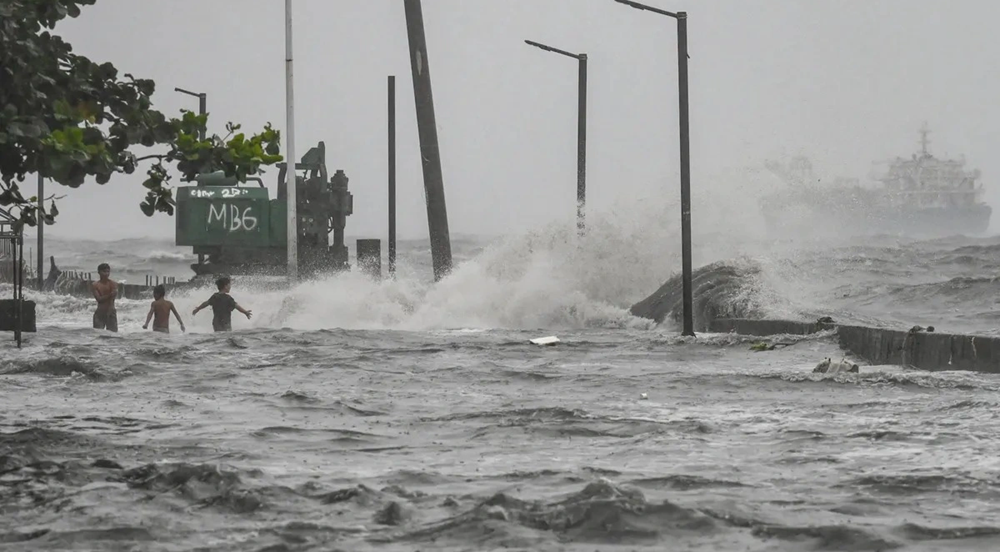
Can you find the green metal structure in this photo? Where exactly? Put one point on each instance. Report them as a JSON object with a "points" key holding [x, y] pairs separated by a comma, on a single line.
{"points": [[240, 230]]}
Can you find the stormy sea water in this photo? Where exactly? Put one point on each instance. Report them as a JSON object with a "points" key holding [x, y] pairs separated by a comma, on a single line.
{"points": [[351, 414]]}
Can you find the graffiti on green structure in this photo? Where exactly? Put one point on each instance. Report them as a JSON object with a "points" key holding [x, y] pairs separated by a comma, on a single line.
{"points": [[225, 193], [231, 217]]}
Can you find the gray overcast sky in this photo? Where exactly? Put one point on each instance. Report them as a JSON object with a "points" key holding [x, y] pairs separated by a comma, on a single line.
{"points": [[844, 82]]}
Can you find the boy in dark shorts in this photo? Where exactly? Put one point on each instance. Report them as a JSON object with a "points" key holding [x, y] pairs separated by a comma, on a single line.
{"points": [[222, 307], [105, 290], [161, 309]]}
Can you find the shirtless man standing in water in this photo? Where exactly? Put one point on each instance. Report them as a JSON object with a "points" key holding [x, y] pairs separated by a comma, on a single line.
{"points": [[105, 290]]}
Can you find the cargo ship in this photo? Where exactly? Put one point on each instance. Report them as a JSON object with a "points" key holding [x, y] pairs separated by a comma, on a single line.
{"points": [[922, 196]]}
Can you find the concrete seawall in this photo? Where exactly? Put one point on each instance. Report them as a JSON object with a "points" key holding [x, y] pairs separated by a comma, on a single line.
{"points": [[923, 350], [78, 284], [81, 288]]}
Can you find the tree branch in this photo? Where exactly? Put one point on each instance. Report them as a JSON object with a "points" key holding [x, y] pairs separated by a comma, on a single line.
{"points": [[157, 156]]}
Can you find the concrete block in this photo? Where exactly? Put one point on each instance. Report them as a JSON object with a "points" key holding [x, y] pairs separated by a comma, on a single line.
{"points": [[369, 253], [762, 327], [923, 350]]}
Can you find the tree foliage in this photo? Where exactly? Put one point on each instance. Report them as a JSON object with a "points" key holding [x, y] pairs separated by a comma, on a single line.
{"points": [[70, 118]]}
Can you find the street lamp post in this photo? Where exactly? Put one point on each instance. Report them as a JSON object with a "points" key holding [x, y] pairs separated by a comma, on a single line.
{"points": [[682, 83], [391, 101], [581, 132], [202, 109], [202, 102]]}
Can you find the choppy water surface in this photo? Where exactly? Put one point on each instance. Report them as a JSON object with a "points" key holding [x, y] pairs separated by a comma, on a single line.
{"points": [[352, 415], [284, 440]]}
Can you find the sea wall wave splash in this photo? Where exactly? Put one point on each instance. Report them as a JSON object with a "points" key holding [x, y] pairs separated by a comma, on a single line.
{"points": [[552, 278], [720, 290], [544, 279], [547, 278]]}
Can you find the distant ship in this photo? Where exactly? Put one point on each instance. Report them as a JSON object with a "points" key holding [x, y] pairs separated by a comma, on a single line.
{"points": [[922, 196]]}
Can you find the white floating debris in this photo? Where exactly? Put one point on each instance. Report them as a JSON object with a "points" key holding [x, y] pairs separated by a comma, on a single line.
{"points": [[643, 396], [549, 340]]}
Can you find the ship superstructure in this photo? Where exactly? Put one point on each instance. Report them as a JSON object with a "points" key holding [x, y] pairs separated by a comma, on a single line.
{"points": [[919, 196]]}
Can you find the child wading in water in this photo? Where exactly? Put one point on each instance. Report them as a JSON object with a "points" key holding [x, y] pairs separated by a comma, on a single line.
{"points": [[105, 291], [223, 306], [161, 309]]}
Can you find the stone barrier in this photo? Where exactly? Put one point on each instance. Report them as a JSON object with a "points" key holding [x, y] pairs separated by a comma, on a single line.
{"points": [[917, 349]]}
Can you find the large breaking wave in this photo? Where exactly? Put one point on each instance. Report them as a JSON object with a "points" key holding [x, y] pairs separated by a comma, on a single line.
{"points": [[552, 278]]}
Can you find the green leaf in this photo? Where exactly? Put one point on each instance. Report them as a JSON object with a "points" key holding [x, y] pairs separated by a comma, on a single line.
{"points": [[75, 119], [24, 130]]}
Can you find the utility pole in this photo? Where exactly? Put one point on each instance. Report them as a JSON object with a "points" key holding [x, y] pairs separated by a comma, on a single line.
{"points": [[437, 212], [290, 160]]}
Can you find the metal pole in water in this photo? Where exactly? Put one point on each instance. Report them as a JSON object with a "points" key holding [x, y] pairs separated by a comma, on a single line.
{"points": [[392, 175], [18, 283], [437, 212], [685, 147], [290, 159], [581, 131], [41, 232], [682, 83], [581, 147]]}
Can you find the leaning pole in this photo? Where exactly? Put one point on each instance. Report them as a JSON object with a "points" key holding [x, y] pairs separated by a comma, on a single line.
{"points": [[437, 213]]}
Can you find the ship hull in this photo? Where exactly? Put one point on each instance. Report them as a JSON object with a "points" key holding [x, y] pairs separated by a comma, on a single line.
{"points": [[934, 222]]}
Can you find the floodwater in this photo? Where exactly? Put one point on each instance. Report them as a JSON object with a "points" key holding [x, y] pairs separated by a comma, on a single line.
{"points": [[399, 415]]}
